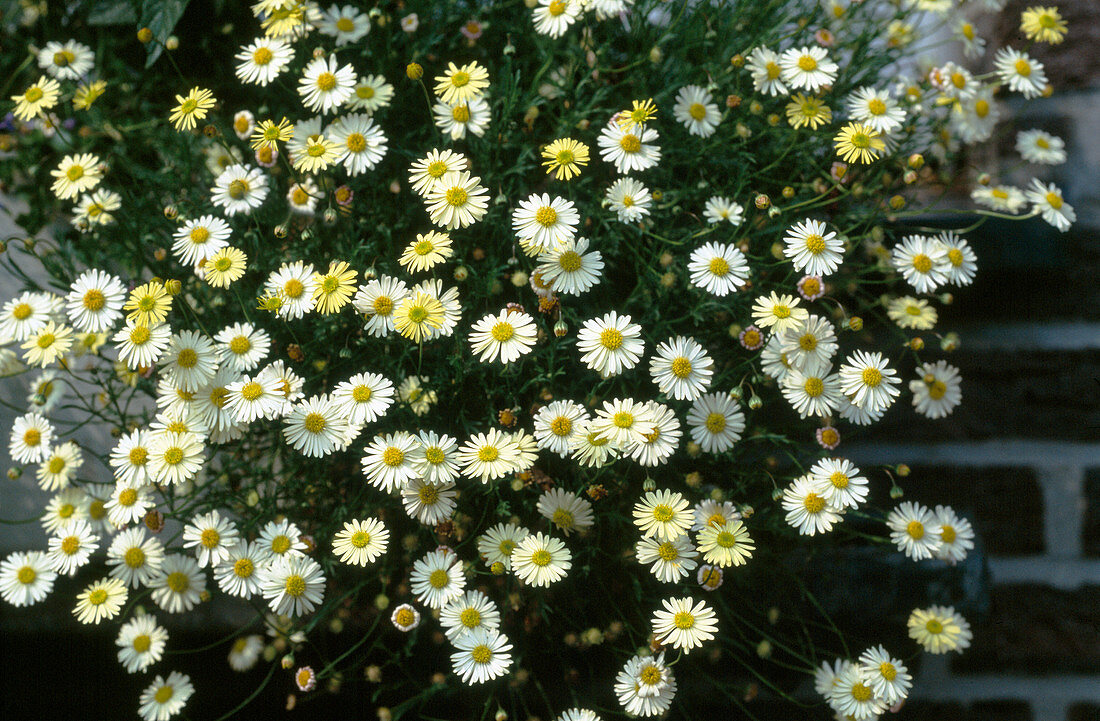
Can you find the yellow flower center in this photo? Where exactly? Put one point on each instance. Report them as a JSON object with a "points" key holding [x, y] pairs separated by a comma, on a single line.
{"points": [[861, 692], [981, 108], [683, 620], [178, 581], [238, 189], [219, 396], [262, 56], [22, 311], [383, 305], [570, 261], [314, 423], [438, 578], [280, 544], [481, 654], [456, 196], [611, 339], [360, 539], [244, 568], [470, 618], [295, 585], [128, 497], [94, 300], [240, 345], [139, 335], [697, 111], [1023, 67], [933, 626], [876, 107], [33, 95], [681, 367], [807, 63], [622, 419], [719, 267], [434, 455], [393, 457], [460, 79], [563, 518], [541, 557], [345, 25], [134, 557], [958, 80], [922, 263], [773, 70], [173, 456], [364, 92], [488, 454], [815, 244], [1054, 200], [663, 513], [64, 58], [428, 495], [404, 617], [141, 643], [163, 694], [715, 423], [781, 311], [813, 503], [630, 143], [326, 81], [57, 464], [871, 377], [556, 8], [546, 216], [66, 511], [502, 332], [251, 391], [814, 387], [948, 534], [461, 113], [361, 394], [915, 529], [565, 157], [937, 390]]}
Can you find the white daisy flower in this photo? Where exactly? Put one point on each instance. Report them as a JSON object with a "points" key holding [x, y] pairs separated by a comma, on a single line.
{"points": [[71, 547], [962, 262], [1047, 201], [238, 573], [437, 579], [31, 439], [922, 261], [469, 612], [813, 249], [808, 511], [165, 697], [810, 345], [371, 93], [681, 368], [939, 629], [25, 315], [807, 68], [135, 557], [211, 536], [459, 119], [566, 510], [725, 545], [852, 696], [242, 346], [716, 422], [361, 542], [429, 503], [295, 285], [69, 60], [540, 560], [659, 444], [956, 535], [26, 578], [543, 223], [629, 151], [263, 60], [377, 300], [179, 585], [684, 624], [140, 346], [672, 560], [141, 643], [558, 424], [868, 382], [664, 514], [915, 530], [282, 538], [292, 585], [482, 654], [361, 143], [387, 463], [59, 467], [508, 335], [1002, 198], [325, 85], [488, 456], [718, 268], [429, 170], [767, 75], [346, 24], [553, 17], [497, 543], [695, 111], [315, 427], [1020, 72], [1035, 146], [813, 391], [128, 504], [200, 239], [839, 482], [779, 312], [570, 268], [100, 600], [94, 302], [610, 344], [646, 685], [886, 675], [937, 390], [877, 109], [191, 361], [623, 422], [239, 189], [457, 200], [629, 199], [363, 398]]}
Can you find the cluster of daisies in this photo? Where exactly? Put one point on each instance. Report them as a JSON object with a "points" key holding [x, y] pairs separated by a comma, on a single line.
{"points": [[212, 388]]}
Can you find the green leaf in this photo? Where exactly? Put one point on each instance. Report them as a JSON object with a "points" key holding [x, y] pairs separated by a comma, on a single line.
{"points": [[111, 12], [161, 17]]}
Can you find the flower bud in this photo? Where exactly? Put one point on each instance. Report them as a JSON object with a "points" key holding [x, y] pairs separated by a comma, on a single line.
{"points": [[649, 484], [762, 201], [171, 211], [756, 402], [561, 328], [855, 323], [145, 35], [14, 473], [414, 71]]}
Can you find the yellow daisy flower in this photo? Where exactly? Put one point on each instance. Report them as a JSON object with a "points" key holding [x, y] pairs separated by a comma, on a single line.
{"points": [[148, 304], [640, 113], [88, 93], [857, 143], [268, 135], [426, 251], [417, 315], [320, 152], [335, 287], [461, 84], [1043, 24], [225, 267], [37, 98], [563, 157], [191, 108], [811, 111]]}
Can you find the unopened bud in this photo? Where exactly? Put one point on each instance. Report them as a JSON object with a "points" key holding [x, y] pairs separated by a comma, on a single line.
{"points": [[414, 71]]}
